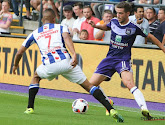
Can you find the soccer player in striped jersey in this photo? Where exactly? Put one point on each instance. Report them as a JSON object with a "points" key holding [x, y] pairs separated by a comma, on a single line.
{"points": [[51, 39], [123, 34]]}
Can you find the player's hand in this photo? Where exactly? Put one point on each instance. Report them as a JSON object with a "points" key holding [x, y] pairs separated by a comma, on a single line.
{"points": [[92, 23], [74, 60], [139, 21], [14, 69]]}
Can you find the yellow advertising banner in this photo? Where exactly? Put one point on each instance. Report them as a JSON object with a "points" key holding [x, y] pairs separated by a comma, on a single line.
{"points": [[147, 64]]}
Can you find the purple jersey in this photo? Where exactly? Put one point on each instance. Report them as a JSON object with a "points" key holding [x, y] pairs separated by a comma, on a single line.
{"points": [[122, 38]]}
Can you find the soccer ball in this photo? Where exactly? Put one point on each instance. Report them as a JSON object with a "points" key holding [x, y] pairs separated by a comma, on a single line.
{"points": [[80, 106]]}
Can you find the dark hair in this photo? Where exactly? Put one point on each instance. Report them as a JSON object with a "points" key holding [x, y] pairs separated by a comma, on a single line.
{"points": [[87, 6], [151, 8], [126, 5], [162, 8], [83, 30], [79, 4], [136, 8], [49, 10], [67, 8], [107, 11]]}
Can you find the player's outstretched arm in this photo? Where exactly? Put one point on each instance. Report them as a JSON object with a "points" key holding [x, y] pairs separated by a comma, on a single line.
{"points": [[156, 41], [18, 57], [70, 46], [102, 27]]}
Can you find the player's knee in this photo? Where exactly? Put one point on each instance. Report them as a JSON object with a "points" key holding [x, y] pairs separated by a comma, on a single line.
{"points": [[35, 79], [129, 86], [86, 85], [128, 83]]}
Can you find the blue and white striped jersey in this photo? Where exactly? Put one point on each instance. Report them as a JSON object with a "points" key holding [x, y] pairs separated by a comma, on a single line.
{"points": [[122, 38], [50, 42]]}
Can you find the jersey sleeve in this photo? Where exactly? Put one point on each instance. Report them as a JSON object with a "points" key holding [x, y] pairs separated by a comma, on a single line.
{"points": [[109, 25], [29, 41], [142, 32], [64, 29]]}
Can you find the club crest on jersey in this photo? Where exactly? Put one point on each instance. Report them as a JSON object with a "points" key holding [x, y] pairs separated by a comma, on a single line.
{"points": [[128, 31]]}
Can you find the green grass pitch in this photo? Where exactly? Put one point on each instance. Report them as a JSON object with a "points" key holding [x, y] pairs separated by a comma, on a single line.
{"points": [[53, 111]]}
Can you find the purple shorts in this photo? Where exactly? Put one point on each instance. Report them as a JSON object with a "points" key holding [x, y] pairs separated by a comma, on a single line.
{"points": [[108, 66]]}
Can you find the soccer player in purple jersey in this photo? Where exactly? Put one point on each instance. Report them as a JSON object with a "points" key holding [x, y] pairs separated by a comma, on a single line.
{"points": [[51, 39], [123, 34]]}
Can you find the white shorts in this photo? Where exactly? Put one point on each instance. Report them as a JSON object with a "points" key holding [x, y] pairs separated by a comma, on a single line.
{"points": [[63, 68]]}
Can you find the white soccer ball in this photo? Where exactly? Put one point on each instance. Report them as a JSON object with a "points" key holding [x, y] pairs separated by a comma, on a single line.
{"points": [[80, 106]]}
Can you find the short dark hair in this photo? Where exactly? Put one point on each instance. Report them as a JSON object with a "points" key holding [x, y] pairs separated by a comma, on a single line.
{"points": [[87, 6], [136, 8], [68, 8], [126, 5], [151, 8], [49, 10], [83, 30], [79, 4], [162, 8]]}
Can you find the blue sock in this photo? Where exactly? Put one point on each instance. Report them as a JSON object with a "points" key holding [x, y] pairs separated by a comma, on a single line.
{"points": [[34, 86], [93, 89]]}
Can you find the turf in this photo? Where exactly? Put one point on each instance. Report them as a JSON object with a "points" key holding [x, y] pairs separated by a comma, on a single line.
{"points": [[53, 111]]}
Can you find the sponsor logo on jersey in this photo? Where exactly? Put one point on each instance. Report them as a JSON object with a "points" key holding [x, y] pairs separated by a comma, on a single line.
{"points": [[46, 33], [118, 38]]}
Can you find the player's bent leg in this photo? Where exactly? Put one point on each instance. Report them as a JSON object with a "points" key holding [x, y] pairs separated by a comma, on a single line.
{"points": [[33, 90], [95, 80], [127, 78], [86, 85], [97, 93], [110, 101]]}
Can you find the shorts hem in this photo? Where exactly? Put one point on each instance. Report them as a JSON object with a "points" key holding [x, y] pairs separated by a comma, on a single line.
{"points": [[81, 81], [126, 70], [109, 78]]}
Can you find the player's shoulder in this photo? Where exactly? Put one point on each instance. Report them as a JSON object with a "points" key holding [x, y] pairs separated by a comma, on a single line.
{"points": [[114, 19], [34, 32]]}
